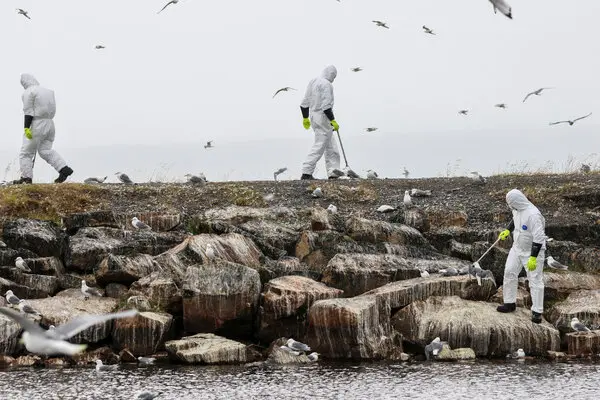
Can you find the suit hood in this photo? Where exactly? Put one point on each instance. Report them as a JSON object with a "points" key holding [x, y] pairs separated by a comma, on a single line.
{"points": [[517, 200], [28, 80], [329, 73]]}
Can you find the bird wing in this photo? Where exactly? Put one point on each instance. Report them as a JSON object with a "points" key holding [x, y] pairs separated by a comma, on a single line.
{"points": [[559, 122], [526, 97], [25, 323], [143, 225], [166, 5], [585, 116], [580, 327], [78, 324], [276, 93], [93, 291], [125, 179]]}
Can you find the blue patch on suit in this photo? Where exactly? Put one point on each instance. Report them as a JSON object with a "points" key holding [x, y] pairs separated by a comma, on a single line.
{"points": [[524, 227]]}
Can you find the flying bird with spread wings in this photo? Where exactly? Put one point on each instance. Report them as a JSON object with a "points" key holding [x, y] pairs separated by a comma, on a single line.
{"points": [[371, 129], [209, 145], [285, 89], [381, 24], [463, 112], [536, 93], [570, 122], [168, 4], [356, 69], [23, 13], [503, 7], [428, 31]]}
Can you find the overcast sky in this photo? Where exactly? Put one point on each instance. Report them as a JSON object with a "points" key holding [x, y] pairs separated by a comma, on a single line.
{"points": [[207, 70]]}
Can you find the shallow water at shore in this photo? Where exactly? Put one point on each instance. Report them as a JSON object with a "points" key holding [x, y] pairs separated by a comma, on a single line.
{"points": [[480, 380]]}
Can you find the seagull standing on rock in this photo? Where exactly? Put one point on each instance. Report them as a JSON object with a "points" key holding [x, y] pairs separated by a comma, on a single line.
{"points": [[21, 265], [297, 346], [332, 209], [11, 298], [314, 356], [89, 291], [27, 309], [210, 251], [137, 224], [407, 199], [124, 178], [577, 326], [552, 263]]}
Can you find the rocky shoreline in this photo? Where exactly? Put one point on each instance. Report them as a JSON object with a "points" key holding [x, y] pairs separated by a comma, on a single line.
{"points": [[348, 284]]}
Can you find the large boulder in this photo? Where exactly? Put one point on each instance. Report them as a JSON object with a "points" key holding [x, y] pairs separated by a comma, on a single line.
{"points": [[285, 303], [231, 247], [220, 297], [207, 348], [588, 259], [143, 335], [162, 292], [523, 297], [8, 256], [158, 222], [284, 266], [319, 219], [371, 231], [558, 285], [89, 246], [352, 328], [10, 331], [358, 273], [402, 293], [583, 343], [74, 222], [44, 238], [583, 304], [476, 325], [41, 285], [20, 290], [124, 269], [69, 304]]}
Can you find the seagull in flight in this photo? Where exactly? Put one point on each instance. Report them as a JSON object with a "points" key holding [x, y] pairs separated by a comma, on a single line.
{"points": [[279, 172], [503, 7], [168, 4], [23, 13], [428, 31], [381, 24], [570, 122], [356, 69], [54, 341], [285, 89], [208, 145], [100, 47], [535, 92], [501, 105], [406, 173], [371, 129], [463, 112]]}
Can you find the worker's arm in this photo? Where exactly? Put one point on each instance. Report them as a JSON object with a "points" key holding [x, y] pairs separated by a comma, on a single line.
{"points": [[28, 107], [506, 233], [28, 121], [537, 224]]}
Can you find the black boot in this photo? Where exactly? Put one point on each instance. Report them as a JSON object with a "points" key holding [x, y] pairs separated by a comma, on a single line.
{"points": [[506, 307], [22, 181], [64, 173], [333, 177], [536, 317], [305, 177]]}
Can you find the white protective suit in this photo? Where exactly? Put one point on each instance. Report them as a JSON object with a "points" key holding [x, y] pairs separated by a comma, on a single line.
{"points": [[318, 98], [529, 228], [38, 102]]}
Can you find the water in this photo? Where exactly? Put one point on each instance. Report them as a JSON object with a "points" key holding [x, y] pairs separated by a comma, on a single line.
{"points": [[476, 380]]}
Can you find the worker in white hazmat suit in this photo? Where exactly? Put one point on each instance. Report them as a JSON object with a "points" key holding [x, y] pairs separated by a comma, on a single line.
{"points": [[317, 111], [39, 107], [529, 245]]}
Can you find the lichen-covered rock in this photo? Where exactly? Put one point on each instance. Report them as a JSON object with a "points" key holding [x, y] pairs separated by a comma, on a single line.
{"points": [[319, 219], [69, 304], [370, 231], [21, 291], [448, 354], [285, 302], [587, 259], [416, 218], [316, 248], [207, 348], [284, 266], [161, 291], [460, 250], [402, 293], [28, 361], [74, 222], [583, 343], [37, 285], [144, 334], [8, 256], [104, 353], [278, 356], [558, 285], [124, 269], [583, 304], [523, 297], [44, 238], [89, 246], [230, 247], [140, 303], [354, 328], [69, 281], [444, 218], [358, 273], [45, 266], [10, 332], [116, 290], [476, 325], [220, 297], [6, 361], [159, 222]]}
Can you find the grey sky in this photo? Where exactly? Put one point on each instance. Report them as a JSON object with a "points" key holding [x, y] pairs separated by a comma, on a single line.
{"points": [[207, 70]]}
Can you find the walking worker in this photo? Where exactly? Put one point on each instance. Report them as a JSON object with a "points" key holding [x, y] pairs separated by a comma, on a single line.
{"points": [[529, 245], [317, 111], [39, 107]]}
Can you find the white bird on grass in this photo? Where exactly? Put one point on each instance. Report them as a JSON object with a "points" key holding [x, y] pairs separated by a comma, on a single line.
{"points": [[577, 326], [21, 265], [297, 346], [168, 4], [89, 291], [53, 342], [137, 224]]}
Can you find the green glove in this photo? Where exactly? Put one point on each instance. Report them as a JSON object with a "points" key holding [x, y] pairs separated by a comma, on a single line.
{"points": [[532, 263], [28, 134], [336, 126], [306, 123], [504, 234]]}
